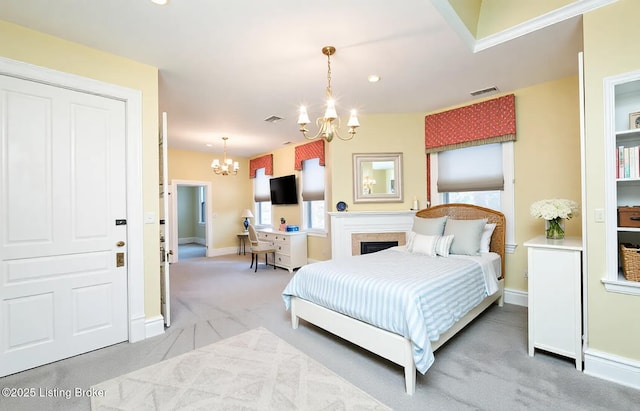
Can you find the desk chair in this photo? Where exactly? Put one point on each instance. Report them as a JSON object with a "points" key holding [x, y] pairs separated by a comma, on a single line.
{"points": [[258, 247]]}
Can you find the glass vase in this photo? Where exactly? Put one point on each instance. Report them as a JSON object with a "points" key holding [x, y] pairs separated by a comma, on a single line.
{"points": [[554, 228]]}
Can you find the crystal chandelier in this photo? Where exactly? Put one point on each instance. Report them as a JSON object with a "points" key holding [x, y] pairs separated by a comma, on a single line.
{"points": [[328, 126], [228, 166]]}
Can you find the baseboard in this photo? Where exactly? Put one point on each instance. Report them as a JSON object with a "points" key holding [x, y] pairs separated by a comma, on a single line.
{"points": [[137, 329], [224, 251], [516, 297], [154, 326], [191, 240], [623, 371]]}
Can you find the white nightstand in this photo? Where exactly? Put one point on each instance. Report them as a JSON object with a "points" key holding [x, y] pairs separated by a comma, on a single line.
{"points": [[555, 296]]}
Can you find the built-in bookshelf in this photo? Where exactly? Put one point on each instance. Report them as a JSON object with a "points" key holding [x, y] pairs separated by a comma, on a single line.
{"points": [[622, 175]]}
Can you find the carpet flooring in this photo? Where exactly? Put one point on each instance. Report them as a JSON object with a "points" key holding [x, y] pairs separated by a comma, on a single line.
{"points": [[484, 367], [254, 370]]}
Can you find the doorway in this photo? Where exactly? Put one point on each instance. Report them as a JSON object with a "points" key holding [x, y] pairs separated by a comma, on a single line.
{"points": [[192, 218], [191, 227]]}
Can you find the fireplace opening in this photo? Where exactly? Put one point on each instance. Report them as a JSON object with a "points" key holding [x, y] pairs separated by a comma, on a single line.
{"points": [[367, 247]]}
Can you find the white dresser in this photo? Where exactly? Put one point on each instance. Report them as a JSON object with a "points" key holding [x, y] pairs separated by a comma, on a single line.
{"points": [[291, 247], [555, 296]]}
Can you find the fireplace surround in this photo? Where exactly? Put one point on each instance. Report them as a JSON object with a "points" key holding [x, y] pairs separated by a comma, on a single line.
{"points": [[350, 228]]}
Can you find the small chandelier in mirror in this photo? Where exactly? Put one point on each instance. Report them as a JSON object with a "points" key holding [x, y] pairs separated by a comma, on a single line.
{"points": [[227, 166], [367, 185], [328, 124]]}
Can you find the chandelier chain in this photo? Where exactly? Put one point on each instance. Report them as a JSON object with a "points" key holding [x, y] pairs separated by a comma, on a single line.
{"points": [[329, 75]]}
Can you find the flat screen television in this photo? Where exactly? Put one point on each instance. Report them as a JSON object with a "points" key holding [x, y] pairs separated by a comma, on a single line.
{"points": [[283, 190]]}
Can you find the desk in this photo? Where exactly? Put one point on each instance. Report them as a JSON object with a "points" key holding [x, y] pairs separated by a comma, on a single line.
{"points": [[291, 247], [242, 242]]}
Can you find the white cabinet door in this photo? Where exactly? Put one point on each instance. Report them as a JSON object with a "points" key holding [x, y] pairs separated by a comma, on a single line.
{"points": [[63, 232]]}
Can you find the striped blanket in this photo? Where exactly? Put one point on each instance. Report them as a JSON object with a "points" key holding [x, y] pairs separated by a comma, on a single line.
{"points": [[416, 296]]}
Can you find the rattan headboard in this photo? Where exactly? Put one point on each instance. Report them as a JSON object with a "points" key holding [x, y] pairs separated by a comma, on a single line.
{"points": [[473, 212]]}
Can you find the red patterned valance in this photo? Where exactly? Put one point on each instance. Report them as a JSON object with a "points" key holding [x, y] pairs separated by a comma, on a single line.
{"points": [[309, 151], [265, 162], [491, 121]]}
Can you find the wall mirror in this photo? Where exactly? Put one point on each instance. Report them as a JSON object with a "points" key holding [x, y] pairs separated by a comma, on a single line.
{"points": [[377, 178]]}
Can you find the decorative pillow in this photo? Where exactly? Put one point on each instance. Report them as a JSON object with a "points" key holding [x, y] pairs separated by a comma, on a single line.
{"points": [[467, 235], [422, 244], [485, 240], [429, 226], [443, 245]]}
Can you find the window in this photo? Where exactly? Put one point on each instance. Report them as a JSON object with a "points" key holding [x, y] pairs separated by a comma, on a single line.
{"points": [[202, 205], [262, 198], [313, 204], [479, 182], [479, 175]]}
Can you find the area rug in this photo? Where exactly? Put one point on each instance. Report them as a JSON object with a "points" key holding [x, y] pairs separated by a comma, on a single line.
{"points": [[255, 370]]}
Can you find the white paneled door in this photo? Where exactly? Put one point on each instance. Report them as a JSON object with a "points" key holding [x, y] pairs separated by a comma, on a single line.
{"points": [[63, 232]]}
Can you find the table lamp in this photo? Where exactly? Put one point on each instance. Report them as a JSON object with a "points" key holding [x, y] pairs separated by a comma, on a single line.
{"points": [[246, 214]]}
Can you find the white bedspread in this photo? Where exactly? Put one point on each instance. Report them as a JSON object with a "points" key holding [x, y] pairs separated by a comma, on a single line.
{"points": [[416, 296]]}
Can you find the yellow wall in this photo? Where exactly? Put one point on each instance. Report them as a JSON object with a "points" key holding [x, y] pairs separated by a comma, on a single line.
{"points": [[469, 13], [19, 43], [547, 161], [499, 15], [382, 133], [231, 194], [608, 36]]}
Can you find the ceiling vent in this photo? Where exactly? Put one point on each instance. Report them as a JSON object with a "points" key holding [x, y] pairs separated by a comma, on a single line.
{"points": [[484, 91], [272, 119]]}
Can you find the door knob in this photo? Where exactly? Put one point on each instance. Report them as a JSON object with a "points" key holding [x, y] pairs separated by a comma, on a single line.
{"points": [[120, 243]]}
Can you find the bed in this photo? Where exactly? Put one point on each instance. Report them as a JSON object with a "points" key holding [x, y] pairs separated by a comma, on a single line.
{"points": [[392, 304]]}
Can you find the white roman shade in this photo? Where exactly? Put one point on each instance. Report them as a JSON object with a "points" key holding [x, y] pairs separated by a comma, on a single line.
{"points": [[261, 187], [477, 168], [312, 180]]}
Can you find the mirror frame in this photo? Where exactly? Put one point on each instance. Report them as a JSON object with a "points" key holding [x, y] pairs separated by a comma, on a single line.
{"points": [[358, 196]]}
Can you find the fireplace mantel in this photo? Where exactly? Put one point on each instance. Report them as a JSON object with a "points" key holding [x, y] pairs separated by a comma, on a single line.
{"points": [[346, 223]]}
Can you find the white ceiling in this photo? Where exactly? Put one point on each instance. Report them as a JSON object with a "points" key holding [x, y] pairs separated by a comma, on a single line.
{"points": [[225, 66]]}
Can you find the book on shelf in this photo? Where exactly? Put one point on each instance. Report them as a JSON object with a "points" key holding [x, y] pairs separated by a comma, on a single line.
{"points": [[628, 162]]}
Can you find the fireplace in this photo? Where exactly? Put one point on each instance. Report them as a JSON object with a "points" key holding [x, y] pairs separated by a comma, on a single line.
{"points": [[367, 247], [349, 229]]}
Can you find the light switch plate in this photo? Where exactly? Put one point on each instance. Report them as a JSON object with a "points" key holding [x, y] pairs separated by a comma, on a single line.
{"points": [[599, 215], [149, 218]]}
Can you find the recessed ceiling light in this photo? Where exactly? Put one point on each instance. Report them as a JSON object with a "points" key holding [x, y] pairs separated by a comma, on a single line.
{"points": [[160, 2], [373, 78], [209, 145]]}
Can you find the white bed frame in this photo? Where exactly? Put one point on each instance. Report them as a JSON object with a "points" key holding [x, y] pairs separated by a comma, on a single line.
{"points": [[395, 347]]}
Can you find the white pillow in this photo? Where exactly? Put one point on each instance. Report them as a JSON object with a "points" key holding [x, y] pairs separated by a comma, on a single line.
{"points": [[443, 245], [485, 241], [422, 244]]}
